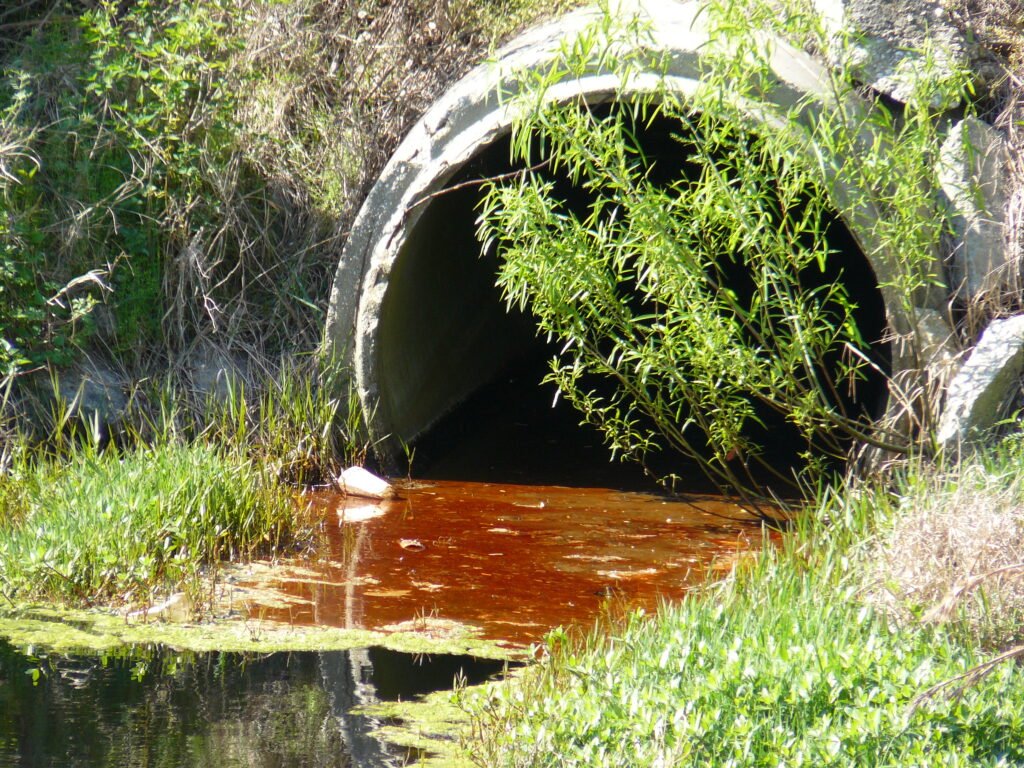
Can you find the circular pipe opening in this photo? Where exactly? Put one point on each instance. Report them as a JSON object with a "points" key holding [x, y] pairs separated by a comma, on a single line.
{"points": [[460, 374], [413, 306]]}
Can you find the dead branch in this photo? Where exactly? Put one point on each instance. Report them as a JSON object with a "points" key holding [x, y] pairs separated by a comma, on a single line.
{"points": [[955, 687]]}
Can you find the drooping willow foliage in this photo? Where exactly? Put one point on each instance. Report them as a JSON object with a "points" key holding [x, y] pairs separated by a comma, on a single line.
{"points": [[706, 315]]}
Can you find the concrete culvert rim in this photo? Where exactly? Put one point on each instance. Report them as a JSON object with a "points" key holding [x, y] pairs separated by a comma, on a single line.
{"points": [[405, 209]]}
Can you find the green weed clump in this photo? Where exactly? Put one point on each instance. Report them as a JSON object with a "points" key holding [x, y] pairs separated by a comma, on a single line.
{"points": [[118, 527], [120, 114], [783, 664]]}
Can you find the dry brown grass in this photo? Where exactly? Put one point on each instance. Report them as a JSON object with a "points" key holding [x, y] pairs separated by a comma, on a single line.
{"points": [[956, 554], [327, 90], [321, 93]]}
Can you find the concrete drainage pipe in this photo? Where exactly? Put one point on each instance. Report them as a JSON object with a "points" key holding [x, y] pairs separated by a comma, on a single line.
{"points": [[413, 304]]}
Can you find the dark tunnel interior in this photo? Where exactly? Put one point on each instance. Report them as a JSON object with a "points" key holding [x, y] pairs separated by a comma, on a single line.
{"points": [[461, 376]]}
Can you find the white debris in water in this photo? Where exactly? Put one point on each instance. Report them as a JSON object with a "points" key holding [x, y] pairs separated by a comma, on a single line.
{"points": [[628, 574], [356, 481]]}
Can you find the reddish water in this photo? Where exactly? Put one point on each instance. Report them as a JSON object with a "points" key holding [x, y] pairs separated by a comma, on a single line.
{"points": [[513, 560]]}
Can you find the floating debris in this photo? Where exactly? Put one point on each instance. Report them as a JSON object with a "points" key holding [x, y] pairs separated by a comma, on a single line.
{"points": [[356, 481]]}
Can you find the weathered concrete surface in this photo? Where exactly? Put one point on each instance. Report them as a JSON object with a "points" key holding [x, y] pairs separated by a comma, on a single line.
{"points": [[889, 40], [416, 357], [973, 172], [986, 385]]}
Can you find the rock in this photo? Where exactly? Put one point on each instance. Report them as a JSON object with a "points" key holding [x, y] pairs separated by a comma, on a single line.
{"points": [[986, 385], [936, 340], [887, 40], [356, 481], [973, 172], [94, 391], [215, 373], [927, 346]]}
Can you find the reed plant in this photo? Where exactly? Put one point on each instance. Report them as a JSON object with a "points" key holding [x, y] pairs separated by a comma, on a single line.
{"points": [[301, 420], [94, 513], [305, 421]]}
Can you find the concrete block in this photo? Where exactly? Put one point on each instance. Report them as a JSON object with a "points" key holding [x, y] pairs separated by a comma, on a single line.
{"points": [[887, 39], [986, 385], [973, 172]]}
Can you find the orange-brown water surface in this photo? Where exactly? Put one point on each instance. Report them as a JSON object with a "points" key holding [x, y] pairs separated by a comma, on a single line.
{"points": [[514, 561]]}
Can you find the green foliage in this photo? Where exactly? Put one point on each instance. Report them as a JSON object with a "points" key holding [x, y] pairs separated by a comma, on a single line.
{"points": [[23, 290], [193, 166], [712, 301], [122, 111], [783, 664], [162, 503], [120, 526]]}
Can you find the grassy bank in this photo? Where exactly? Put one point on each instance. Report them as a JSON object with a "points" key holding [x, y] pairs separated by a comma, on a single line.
{"points": [[184, 481], [799, 659], [122, 527], [176, 184]]}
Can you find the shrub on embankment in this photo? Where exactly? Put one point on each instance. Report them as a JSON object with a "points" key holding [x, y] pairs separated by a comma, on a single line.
{"points": [[180, 174], [790, 662]]}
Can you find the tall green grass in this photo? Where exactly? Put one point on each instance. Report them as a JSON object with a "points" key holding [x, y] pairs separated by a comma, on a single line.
{"points": [[304, 421], [118, 513], [785, 663], [122, 525]]}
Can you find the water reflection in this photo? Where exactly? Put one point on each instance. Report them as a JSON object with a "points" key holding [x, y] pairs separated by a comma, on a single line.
{"points": [[156, 707]]}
